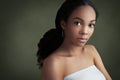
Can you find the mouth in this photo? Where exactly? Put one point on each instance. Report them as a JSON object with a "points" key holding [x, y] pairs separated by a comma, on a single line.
{"points": [[82, 40]]}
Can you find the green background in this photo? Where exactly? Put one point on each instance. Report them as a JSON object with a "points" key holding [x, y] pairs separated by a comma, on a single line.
{"points": [[23, 23]]}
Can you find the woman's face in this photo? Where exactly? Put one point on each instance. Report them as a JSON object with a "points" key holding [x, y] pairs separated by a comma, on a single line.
{"points": [[80, 25]]}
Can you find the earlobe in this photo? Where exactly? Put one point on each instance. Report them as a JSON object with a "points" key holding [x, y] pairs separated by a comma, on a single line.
{"points": [[63, 24]]}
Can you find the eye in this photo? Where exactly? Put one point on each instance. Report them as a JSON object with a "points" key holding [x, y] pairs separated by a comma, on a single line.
{"points": [[77, 23], [91, 25]]}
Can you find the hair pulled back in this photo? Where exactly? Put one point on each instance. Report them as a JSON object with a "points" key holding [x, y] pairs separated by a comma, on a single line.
{"points": [[53, 38]]}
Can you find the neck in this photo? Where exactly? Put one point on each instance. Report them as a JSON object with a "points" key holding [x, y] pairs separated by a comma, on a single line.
{"points": [[71, 49]]}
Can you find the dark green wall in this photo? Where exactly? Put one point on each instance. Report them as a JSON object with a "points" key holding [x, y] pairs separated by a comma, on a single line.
{"points": [[22, 24]]}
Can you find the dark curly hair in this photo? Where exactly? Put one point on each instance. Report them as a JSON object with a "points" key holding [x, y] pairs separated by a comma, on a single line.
{"points": [[53, 38]]}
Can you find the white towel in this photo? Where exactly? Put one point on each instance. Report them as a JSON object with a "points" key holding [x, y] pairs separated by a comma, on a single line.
{"points": [[90, 73]]}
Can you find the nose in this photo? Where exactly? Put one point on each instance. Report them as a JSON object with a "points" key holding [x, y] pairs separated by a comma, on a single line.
{"points": [[84, 30]]}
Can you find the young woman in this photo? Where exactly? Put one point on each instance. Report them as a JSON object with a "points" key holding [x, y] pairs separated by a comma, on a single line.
{"points": [[63, 53]]}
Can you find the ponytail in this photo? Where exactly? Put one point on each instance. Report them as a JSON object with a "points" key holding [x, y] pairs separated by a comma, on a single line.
{"points": [[48, 44]]}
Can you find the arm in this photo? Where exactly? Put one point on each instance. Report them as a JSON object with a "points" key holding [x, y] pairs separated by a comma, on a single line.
{"points": [[52, 69], [99, 64]]}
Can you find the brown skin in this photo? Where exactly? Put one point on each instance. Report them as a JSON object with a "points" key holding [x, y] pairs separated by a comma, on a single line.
{"points": [[74, 54]]}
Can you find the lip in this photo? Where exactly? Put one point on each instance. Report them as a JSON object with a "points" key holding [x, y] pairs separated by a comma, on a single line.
{"points": [[83, 40]]}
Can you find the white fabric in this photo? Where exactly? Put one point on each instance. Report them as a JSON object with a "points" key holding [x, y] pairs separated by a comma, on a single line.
{"points": [[90, 73]]}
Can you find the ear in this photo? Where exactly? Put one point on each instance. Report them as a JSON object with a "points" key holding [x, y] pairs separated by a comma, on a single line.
{"points": [[63, 24]]}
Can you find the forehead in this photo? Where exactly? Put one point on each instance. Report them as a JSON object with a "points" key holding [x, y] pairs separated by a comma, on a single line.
{"points": [[85, 12]]}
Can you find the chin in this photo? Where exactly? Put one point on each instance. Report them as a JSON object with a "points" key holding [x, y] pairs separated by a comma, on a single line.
{"points": [[81, 44]]}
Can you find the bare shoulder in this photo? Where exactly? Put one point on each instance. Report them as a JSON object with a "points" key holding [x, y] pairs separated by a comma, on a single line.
{"points": [[91, 48], [53, 61], [98, 61], [96, 56], [53, 68]]}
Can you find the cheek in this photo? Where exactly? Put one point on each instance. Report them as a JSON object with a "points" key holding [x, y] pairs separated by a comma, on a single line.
{"points": [[91, 31], [70, 32]]}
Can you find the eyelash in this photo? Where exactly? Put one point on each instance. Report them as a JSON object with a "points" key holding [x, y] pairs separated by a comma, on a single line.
{"points": [[92, 25], [77, 23]]}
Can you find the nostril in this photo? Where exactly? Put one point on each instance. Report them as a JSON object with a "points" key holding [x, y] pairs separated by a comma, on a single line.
{"points": [[83, 33]]}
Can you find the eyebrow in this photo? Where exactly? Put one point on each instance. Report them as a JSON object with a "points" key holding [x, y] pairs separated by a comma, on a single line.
{"points": [[82, 19]]}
